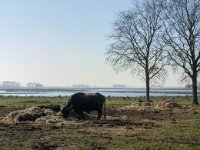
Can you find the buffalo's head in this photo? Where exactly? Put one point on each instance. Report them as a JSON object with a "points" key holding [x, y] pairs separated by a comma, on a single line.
{"points": [[65, 111]]}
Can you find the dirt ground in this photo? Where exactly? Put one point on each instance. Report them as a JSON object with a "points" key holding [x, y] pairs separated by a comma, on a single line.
{"points": [[122, 127]]}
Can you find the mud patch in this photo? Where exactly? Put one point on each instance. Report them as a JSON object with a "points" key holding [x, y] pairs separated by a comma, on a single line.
{"points": [[42, 145]]}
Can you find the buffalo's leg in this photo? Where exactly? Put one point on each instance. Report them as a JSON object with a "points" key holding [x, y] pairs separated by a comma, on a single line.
{"points": [[99, 114]]}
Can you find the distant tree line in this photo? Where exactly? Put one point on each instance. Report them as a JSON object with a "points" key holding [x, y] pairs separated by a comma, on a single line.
{"points": [[155, 34]]}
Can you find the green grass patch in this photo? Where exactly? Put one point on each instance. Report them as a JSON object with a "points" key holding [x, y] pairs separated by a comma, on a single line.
{"points": [[110, 101], [32, 101]]}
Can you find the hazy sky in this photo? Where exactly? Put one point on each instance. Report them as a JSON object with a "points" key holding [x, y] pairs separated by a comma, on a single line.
{"points": [[60, 42]]}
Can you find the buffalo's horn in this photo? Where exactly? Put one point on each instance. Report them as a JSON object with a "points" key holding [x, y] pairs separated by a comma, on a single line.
{"points": [[70, 107]]}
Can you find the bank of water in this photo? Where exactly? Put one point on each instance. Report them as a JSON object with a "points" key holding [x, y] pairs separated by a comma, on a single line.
{"points": [[114, 92]]}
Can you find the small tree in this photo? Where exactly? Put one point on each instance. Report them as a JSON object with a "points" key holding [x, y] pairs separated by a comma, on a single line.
{"points": [[182, 36], [136, 43]]}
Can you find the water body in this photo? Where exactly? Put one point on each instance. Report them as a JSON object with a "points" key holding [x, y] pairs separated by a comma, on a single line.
{"points": [[116, 92]]}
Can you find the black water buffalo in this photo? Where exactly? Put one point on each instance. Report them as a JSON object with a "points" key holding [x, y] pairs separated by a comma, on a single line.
{"points": [[82, 102]]}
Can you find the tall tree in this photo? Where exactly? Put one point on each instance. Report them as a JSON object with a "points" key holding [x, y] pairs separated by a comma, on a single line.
{"points": [[182, 22], [136, 43]]}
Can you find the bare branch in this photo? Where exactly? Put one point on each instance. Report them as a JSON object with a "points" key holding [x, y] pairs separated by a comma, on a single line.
{"points": [[136, 41], [182, 37]]}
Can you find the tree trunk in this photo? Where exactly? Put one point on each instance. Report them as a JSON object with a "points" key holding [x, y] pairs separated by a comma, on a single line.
{"points": [[194, 90], [147, 87]]}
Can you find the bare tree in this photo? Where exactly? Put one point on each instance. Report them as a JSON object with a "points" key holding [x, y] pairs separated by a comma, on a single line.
{"points": [[136, 43], [182, 37]]}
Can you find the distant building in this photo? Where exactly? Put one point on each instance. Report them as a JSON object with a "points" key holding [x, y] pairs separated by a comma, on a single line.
{"points": [[119, 86], [34, 85], [10, 84], [80, 86], [188, 86]]}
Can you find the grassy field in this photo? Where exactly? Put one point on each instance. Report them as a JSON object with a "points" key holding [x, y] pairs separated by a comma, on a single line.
{"points": [[33, 101], [123, 129]]}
